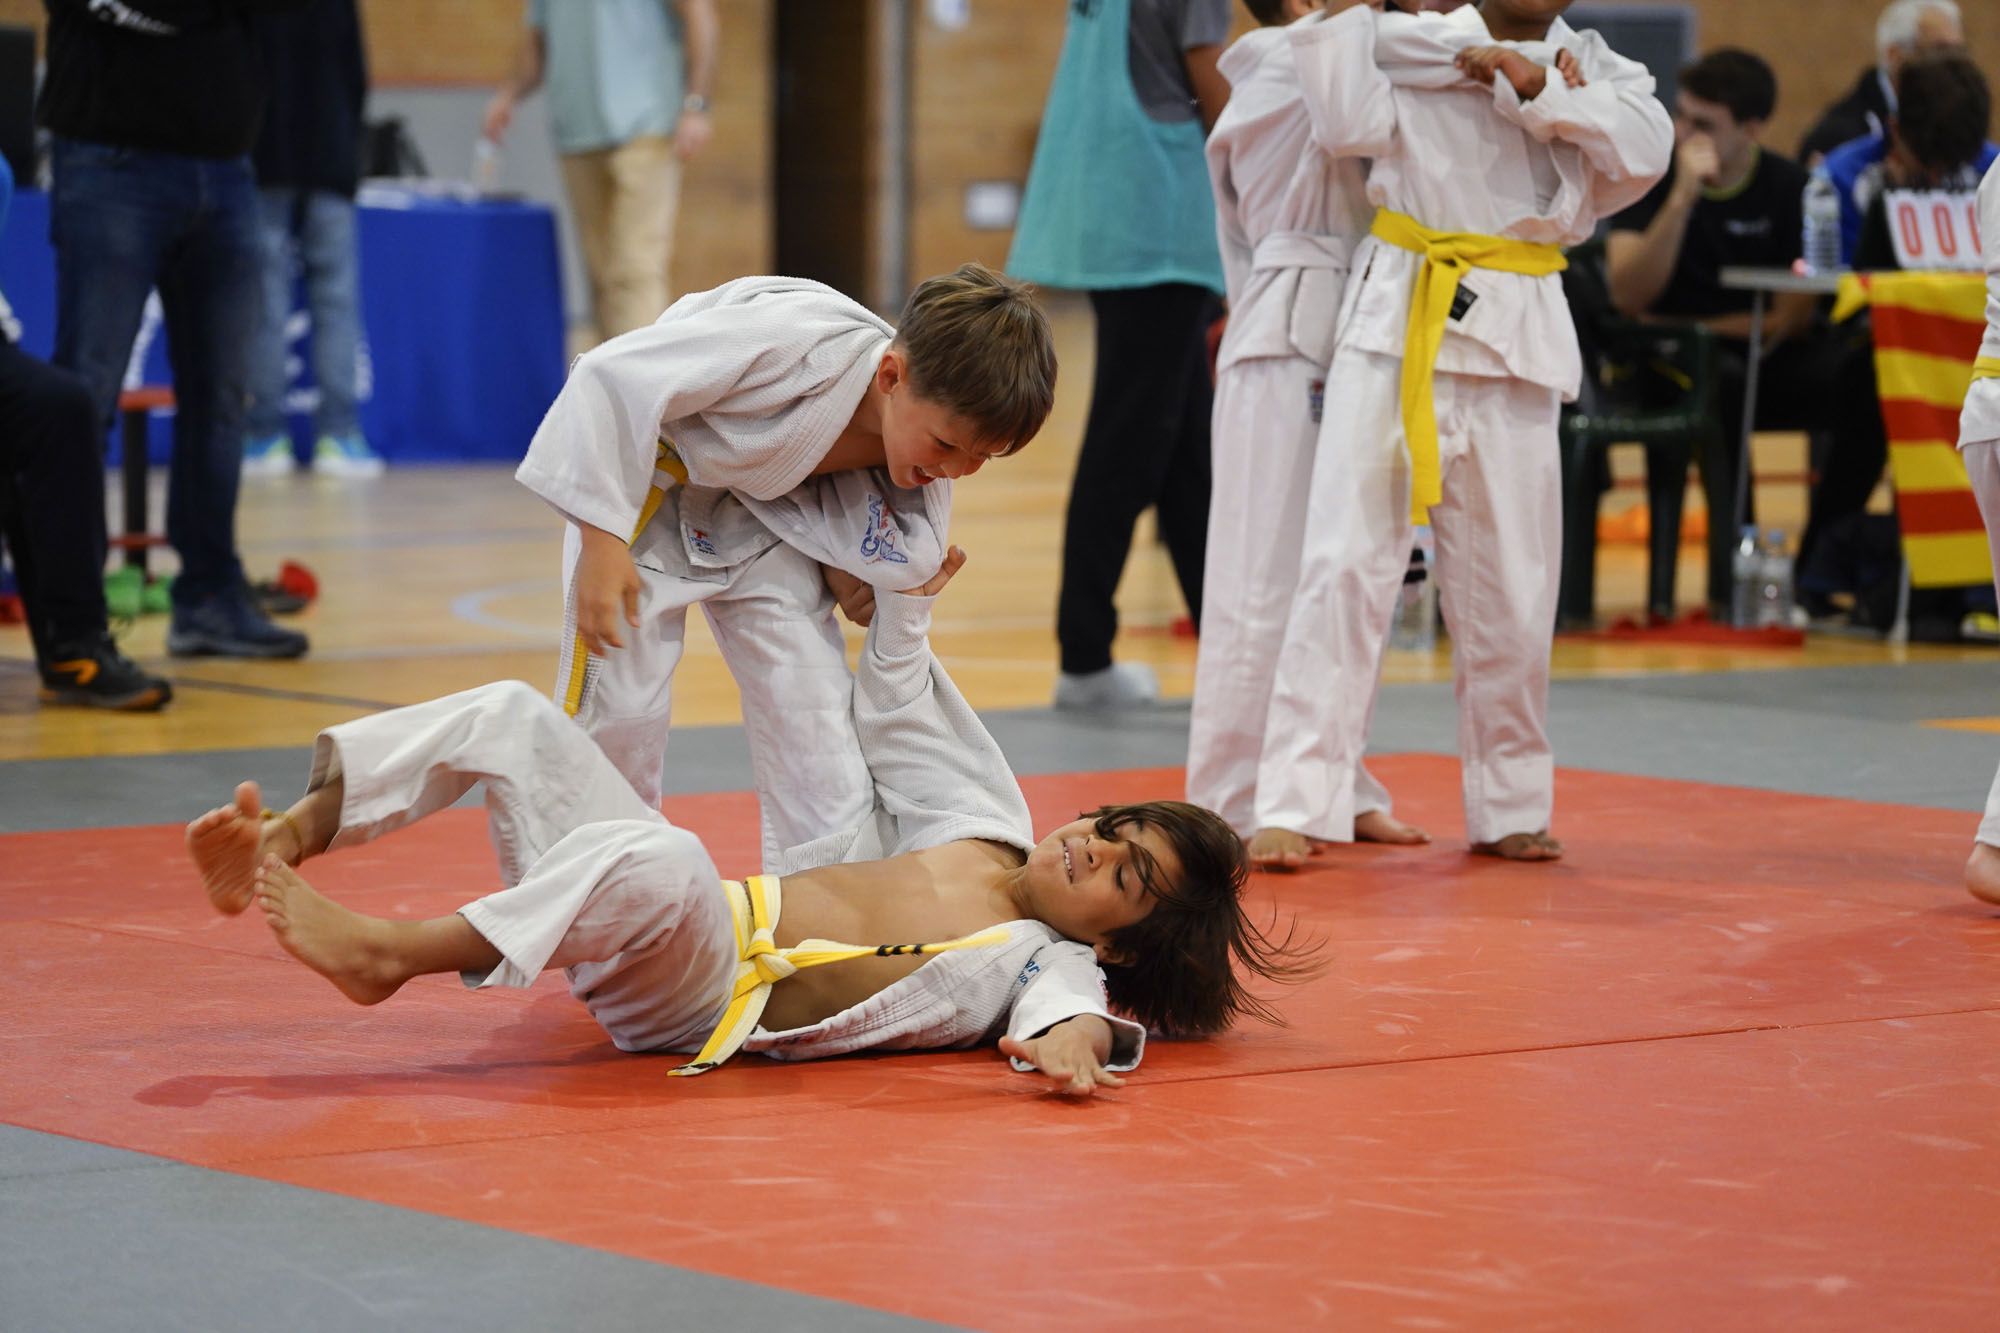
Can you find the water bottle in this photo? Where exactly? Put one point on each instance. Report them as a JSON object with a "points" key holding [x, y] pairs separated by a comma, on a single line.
{"points": [[1415, 627], [1774, 581], [1745, 569], [1822, 230], [485, 165]]}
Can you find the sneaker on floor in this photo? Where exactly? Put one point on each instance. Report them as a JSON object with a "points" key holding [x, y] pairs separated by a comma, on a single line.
{"points": [[230, 625], [269, 456], [97, 675], [1121, 685], [346, 456]]}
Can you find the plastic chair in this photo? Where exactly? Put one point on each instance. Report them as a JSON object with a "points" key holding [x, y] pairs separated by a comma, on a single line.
{"points": [[1645, 384]]}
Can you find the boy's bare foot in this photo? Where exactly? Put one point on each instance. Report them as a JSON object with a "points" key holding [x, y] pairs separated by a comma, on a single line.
{"points": [[1522, 847], [225, 845], [1381, 826], [354, 952], [1982, 873], [1279, 849]]}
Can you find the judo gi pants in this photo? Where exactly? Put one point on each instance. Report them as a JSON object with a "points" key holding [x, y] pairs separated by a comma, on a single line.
{"points": [[1982, 463], [772, 617], [1266, 437], [1145, 444], [595, 882], [1499, 548]]}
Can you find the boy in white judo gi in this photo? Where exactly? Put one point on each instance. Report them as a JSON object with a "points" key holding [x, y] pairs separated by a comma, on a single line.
{"points": [[1454, 354], [770, 411], [1288, 217], [668, 956], [1979, 444]]}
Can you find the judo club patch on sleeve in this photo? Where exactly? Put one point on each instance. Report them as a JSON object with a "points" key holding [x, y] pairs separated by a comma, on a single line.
{"points": [[1316, 400], [879, 541]]}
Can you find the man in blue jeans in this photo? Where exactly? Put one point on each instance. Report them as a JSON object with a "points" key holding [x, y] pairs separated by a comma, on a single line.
{"points": [[154, 105], [308, 162]]}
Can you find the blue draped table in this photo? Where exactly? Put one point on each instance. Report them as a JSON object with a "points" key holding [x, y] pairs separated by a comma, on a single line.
{"points": [[462, 314]]}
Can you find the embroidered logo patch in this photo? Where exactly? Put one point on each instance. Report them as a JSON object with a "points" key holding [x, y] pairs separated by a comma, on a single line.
{"points": [[1028, 973], [700, 542], [879, 542], [1316, 400]]}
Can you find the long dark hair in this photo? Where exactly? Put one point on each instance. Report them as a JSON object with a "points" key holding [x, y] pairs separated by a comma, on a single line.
{"points": [[1180, 974]]}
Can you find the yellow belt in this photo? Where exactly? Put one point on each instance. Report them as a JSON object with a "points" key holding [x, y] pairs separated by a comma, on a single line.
{"points": [[754, 903], [1447, 255], [1986, 368]]}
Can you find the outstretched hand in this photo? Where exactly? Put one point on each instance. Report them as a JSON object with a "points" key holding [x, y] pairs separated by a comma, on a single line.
{"points": [[954, 560], [1071, 1054]]}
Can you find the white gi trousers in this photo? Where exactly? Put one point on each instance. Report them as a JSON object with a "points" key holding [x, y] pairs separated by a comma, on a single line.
{"points": [[1265, 438], [596, 881], [1499, 549], [1982, 464], [772, 617]]}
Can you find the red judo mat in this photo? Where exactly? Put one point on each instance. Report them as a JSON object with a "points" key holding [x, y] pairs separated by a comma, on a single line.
{"points": [[1735, 1062]]}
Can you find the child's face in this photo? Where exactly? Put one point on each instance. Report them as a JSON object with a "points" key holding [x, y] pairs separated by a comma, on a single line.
{"points": [[922, 441], [1086, 886]]}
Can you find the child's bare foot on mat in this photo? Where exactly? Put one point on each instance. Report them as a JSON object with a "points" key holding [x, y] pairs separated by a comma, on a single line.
{"points": [[1522, 847], [356, 953], [1279, 849], [1982, 873], [1381, 826], [226, 844]]}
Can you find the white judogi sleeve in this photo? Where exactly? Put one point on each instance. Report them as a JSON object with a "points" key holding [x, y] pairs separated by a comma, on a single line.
{"points": [[1979, 422], [939, 775], [1067, 983], [1614, 118]]}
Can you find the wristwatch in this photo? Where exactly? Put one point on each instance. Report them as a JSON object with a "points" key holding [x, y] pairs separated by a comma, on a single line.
{"points": [[696, 103]]}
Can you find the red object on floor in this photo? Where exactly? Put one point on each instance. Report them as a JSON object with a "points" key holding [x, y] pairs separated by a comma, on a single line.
{"points": [[11, 610], [1694, 627], [1734, 1063], [296, 579]]}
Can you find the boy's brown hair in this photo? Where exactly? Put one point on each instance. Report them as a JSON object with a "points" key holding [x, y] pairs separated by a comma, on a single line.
{"points": [[1180, 974], [979, 347]]}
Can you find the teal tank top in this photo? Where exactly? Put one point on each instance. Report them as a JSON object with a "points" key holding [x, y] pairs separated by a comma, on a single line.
{"points": [[1115, 199]]}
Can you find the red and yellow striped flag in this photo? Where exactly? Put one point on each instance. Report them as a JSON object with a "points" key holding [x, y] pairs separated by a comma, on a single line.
{"points": [[1928, 327]]}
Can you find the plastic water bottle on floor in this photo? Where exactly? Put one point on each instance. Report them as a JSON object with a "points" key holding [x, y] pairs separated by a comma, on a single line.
{"points": [[1774, 581], [1822, 225], [1415, 627], [1745, 572]]}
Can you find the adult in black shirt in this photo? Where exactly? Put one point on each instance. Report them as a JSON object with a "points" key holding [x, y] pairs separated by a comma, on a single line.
{"points": [[1729, 202], [154, 105]]}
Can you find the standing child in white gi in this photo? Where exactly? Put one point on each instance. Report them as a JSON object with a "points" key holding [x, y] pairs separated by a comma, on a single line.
{"points": [[668, 956], [1979, 442], [1288, 217], [1455, 353], [769, 411]]}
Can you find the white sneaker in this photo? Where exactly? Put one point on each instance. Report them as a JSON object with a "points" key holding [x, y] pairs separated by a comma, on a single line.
{"points": [[269, 456], [346, 456], [1120, 685]]}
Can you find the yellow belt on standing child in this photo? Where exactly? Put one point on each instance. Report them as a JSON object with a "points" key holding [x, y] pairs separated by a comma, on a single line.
{"points": [[1446, 255]]}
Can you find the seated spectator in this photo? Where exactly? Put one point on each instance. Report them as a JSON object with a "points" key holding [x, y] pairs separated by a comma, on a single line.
{"points": [[52, 517], [1729, 202], [1907, 29], [1937, 141]]}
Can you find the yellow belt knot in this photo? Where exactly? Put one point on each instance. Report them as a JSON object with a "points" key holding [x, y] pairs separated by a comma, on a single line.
{"points": [[1447, 256], [767, 960]]}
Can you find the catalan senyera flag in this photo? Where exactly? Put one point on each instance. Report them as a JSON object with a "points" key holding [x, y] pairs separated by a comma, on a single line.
{"points": [[1928, 328]]}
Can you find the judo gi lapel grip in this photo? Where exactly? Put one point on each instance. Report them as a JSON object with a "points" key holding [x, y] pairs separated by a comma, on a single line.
{"points": [[754, 905], [1446, 256]]}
